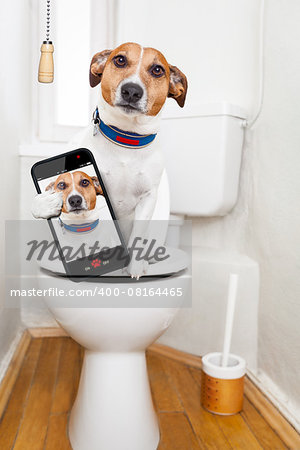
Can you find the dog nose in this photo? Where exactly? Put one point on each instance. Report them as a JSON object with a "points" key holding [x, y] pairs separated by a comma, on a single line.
{"points": [[75, 201], [131, 92]]}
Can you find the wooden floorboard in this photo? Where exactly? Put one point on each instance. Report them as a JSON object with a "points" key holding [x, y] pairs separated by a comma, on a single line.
{"points": [[34, 423], [164, 395], [67, 380], [11, 420], [176, 432], [57, 437], [37, 410], [268, 439], [204, 424]]}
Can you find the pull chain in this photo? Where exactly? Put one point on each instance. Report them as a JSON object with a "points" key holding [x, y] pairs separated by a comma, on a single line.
{"points": [[46, 66], [48, 21]]}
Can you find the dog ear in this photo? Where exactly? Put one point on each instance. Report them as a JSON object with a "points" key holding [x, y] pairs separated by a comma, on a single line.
{"points": [[178, 85], [97, 186], [50, 187], [97, 66]]}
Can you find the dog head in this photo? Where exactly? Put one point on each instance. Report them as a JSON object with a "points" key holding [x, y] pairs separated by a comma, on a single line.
{"points": [[137, 80], [79, 191]]}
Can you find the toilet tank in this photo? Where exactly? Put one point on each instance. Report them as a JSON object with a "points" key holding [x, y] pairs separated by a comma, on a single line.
{"points": [[203, 151]]}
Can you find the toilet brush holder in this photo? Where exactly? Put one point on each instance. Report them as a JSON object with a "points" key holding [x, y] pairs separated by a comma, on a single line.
{"points": [[222, 388]]}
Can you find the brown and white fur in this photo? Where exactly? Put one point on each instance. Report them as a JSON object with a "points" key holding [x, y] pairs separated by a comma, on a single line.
{"points": [[79, 194], [131, 176]]}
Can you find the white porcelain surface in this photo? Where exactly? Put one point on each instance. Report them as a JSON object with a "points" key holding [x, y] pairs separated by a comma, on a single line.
{"points": [[210, 163], [113, 409]]}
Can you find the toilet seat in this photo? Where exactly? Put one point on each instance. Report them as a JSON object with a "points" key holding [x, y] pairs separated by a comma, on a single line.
{"points": [[177, 262]]}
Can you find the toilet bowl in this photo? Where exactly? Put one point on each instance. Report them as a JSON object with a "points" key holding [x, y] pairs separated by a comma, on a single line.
{"points": [[113, 409]]}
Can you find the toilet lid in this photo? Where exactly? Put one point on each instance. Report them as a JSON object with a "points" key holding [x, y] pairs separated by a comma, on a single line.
{"points": [[177, 261]]}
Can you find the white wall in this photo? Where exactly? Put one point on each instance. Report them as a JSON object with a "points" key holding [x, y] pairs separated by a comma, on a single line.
{"points": [[273, 231], [14, 117], [214, 42], [265, 223]]}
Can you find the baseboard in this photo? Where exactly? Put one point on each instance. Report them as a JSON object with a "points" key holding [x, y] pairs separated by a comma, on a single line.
{"points": [[275, 419], [47, 332], [264, 406], [177, 355], [13, 369]]}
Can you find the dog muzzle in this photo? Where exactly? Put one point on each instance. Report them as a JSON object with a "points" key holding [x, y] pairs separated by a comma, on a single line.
{"points": [[120, 137]]}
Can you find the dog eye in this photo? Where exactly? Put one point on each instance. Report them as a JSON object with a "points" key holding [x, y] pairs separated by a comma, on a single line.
{"points": [[84, 183], [61, 186], [120, 61], [157, 71]]}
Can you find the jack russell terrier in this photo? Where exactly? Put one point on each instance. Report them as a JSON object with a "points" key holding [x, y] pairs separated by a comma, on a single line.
{"points": [[78, 195], [135, 82], [81, 212]]}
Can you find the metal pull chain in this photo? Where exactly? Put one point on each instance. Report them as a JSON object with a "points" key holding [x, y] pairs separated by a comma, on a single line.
{"points": [[48, 21], [46, 66]]}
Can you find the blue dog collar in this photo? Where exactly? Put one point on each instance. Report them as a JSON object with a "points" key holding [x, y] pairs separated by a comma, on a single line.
{"points": [[80, 228], [120, 137]]}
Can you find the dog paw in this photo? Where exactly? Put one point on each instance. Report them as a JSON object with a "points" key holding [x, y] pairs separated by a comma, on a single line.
{"points": [[47, 205], [137, 269]]}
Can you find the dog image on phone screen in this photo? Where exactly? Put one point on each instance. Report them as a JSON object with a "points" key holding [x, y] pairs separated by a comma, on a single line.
{"points": [[135, 82], [78, 192], [84, 218]]}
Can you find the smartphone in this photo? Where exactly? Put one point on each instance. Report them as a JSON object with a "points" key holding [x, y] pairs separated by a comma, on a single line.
{"points": [[86, 233]]}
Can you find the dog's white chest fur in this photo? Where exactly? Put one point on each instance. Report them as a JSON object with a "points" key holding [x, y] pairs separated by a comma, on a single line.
{"points": [[128, 174]]}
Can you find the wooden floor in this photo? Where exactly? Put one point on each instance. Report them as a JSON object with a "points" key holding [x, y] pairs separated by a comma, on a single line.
{"points": [[37, 412]]}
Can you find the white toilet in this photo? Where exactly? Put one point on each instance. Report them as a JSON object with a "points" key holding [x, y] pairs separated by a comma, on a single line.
{"points": [[113, 409]]}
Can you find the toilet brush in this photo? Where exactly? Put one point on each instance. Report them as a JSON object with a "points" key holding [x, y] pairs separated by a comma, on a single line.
{"points": [[223, 373], [232, 291], [46, 66]]}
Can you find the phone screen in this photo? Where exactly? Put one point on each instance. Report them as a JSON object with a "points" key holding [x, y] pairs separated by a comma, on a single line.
{"points": [[86, 233]]}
